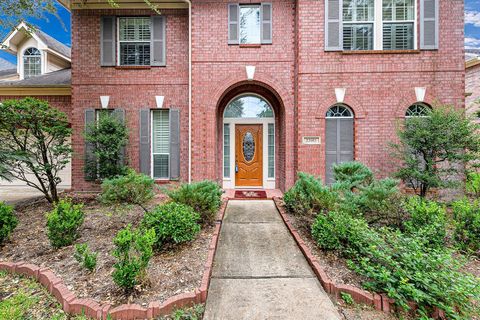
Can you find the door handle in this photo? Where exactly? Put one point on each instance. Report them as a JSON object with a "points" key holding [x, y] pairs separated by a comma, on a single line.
{"points": [[236, 167]]}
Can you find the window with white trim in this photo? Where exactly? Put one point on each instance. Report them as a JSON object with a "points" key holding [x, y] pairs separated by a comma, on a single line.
{"points": [[271, 150], [134, 38], [226, 150], [250, 24], [161, 144], [393, 29], [418, 110], [32, 63]]}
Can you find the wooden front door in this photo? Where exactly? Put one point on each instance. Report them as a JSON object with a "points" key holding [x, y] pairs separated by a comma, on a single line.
{"points": [[249, 155]]}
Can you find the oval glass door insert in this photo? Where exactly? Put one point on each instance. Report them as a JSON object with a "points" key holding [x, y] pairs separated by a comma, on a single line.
{"points": [[248, 146]]}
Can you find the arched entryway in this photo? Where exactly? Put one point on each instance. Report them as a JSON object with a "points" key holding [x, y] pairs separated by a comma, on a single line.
{"points": [[250, 119]]}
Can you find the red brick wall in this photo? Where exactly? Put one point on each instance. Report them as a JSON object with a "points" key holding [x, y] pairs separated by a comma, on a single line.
{"points": [[129, 89], [379, 87], [472, 87]]}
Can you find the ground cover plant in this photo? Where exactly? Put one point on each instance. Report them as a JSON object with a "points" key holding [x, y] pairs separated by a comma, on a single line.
{"points": [[85, 257], [405, 252]]}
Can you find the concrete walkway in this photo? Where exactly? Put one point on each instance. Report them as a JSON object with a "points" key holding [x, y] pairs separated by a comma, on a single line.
{"points": [[260, 273]]}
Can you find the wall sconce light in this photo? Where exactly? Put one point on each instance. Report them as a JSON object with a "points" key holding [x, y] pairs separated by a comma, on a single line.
{"points": [[104, 100], [159, 100]]}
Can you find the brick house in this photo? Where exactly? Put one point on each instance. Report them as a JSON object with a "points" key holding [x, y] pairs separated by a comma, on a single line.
{"points": [[250, 93], [472, 83]]}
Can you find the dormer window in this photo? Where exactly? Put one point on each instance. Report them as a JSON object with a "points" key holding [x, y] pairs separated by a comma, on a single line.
{"points": [[32, 63]]}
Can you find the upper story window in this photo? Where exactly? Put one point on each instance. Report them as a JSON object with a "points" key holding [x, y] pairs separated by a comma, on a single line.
{"points": [[134, 38], [355, 25], [132, 41], [32, 63], [250, 23]]}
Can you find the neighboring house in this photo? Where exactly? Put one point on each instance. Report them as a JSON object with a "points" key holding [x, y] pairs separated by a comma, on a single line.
{"points": [[472, 83], [42, 70], [250, 93], [8, 71]]}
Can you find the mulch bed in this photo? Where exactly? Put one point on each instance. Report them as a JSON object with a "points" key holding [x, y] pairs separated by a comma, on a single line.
{"points": [[175, 270]]}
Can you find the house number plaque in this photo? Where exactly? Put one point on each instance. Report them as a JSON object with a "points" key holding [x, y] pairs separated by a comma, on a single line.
{"points": [[311, 140]]}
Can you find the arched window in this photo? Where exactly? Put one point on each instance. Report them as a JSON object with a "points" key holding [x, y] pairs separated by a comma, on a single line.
{"points": [[248, 106], [418, 110], [339, 111], [338, 138], [32, 63]]}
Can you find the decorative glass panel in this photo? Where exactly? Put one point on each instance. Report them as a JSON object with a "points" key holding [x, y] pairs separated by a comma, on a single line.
{"points": [[248, 146], [248, 107], [418, 110], [271, 150], [161, 143], [134, 40], [398, 10], [249, 24], [226, 150], [32, 63], [339, 111], [358, 10]]}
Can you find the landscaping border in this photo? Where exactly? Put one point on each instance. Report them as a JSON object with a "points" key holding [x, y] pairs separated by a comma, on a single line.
{"points": [[379, 302], [90, 308]]}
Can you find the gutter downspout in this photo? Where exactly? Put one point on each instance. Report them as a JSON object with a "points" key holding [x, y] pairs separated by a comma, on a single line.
{"points": [[189, 89]]}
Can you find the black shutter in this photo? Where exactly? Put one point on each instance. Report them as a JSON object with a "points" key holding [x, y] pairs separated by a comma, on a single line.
{"points": [[338, 144], [120, 115], [233, 23], [174, 144], [158, 41], [90, 162]]}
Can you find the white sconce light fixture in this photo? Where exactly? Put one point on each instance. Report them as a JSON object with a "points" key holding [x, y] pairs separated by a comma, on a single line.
{"points": [[159, 100], [420, 93], [104, 100], [250, 72], [340, 94]]}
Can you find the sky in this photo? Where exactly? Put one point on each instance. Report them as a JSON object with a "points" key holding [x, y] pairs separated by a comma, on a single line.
{"points": [[61, 29]]}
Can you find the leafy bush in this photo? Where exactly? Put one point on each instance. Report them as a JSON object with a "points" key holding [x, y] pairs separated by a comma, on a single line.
{"points": [[173, 223], [64, 222], [473, 184], [8, 221], [132, 188], [204, 197], [133, 250], [108, 136], [353, 174], [467, 225], [85, 257], [400, 265], [309, 196], [427, 220]]}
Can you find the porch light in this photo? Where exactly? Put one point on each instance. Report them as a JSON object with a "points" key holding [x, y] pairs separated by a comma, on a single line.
{"points": [[159, 100], [104, 100], [420, 93], [250, 72], [340, 94]]}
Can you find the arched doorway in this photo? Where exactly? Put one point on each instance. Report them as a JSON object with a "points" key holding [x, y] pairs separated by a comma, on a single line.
{"points": [[339, 142], [249, 142]]}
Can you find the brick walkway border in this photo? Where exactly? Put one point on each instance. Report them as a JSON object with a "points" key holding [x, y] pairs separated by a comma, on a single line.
{"points": [[90, 308], [378, 301]]}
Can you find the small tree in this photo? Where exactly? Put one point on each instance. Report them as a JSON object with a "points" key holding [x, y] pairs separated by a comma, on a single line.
{"points": [[108, 137], [34, 144], [431, 149]]}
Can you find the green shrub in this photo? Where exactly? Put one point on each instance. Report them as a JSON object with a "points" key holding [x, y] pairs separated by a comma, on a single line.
{"points": [[473, 184], [402, 266], [427, 221], [64, 222], [173, 223], [132, 188], [108, 136], [353, 174], [85, 257], [309, 196], [204, 197], [133, 250], [8, 221], [347, 298], [467, 225]]}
